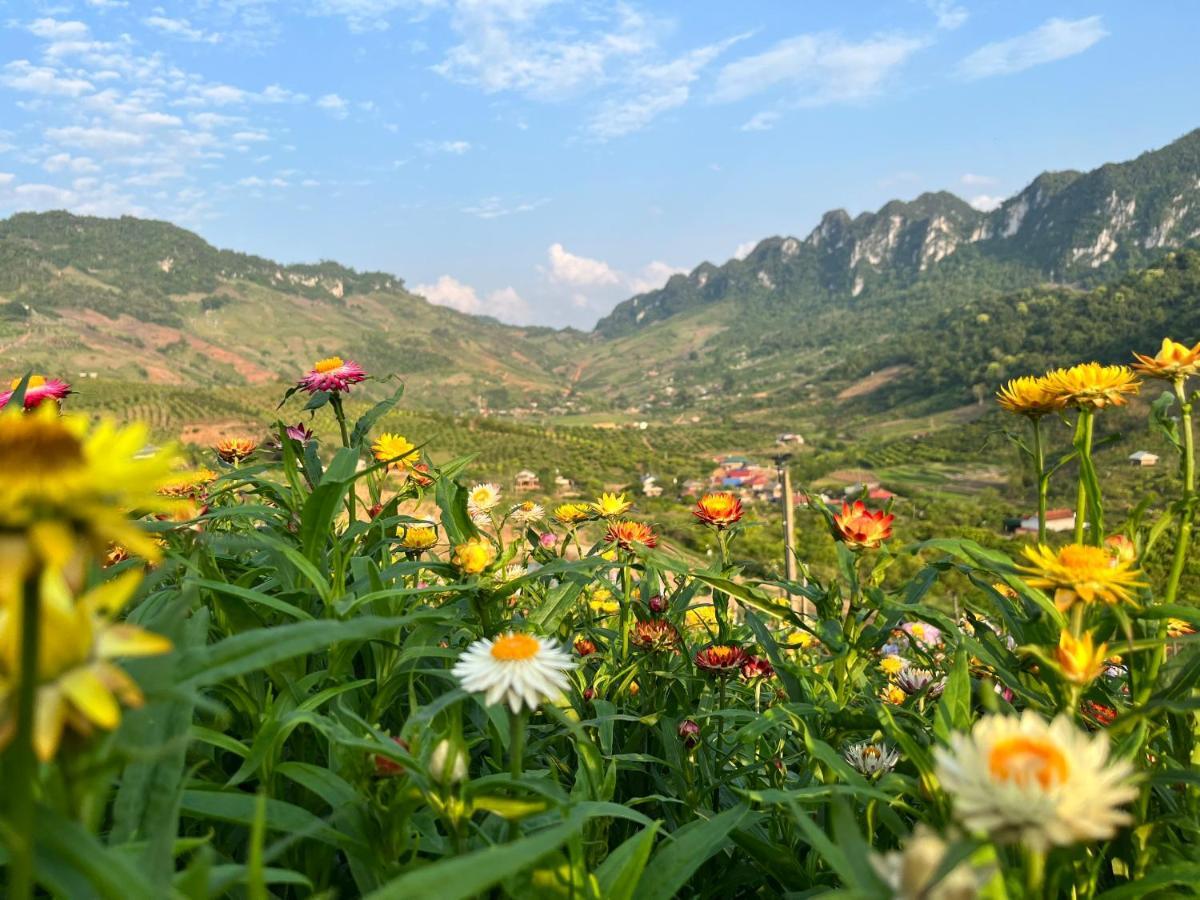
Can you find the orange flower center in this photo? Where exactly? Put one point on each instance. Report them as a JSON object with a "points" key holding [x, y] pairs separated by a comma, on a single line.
{"points": [[38, 447], [512, 647], [1023, 760], [35, 381], [328, 365], [1083, 559]]}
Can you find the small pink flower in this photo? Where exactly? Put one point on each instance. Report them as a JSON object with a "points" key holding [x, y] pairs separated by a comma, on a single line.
{"points": [[333, 375], [37, 390], [299, 433], [548, 539]]}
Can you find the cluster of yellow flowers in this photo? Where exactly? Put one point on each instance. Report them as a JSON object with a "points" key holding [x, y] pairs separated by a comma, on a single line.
{"points": [[1085, 386], [65, 498]]}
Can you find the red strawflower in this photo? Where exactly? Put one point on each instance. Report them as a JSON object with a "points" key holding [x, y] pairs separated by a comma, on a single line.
{"points": [[625, 533], [721, 659], [655, 635], [757, 667], [333, 375], [861, 528], [719, 510]]}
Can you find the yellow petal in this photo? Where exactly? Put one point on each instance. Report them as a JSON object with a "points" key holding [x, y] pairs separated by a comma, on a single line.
{"points": [[91, 696], [129, 640], [107, 599], [48, 723]]}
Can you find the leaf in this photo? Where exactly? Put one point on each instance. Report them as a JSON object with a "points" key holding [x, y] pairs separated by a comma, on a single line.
{"points": [[325, 500], [954, 708], [241, 809], [364, 425], [471, 874], [675, 862], [76, 865], [456, 521], [252, 596], [620, 873], [264, 647]]}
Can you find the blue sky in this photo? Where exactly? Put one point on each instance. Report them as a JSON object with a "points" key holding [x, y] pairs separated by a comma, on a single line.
{"points": [[540, 160]]}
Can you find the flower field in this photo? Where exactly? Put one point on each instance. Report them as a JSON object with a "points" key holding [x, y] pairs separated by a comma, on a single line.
{"points": [[338, 668]]}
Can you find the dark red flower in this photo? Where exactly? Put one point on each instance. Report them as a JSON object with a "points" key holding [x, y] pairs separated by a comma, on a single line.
{"points": [[721, 659], [385, 767], [757, 667], [655, 634], [584, 647], [689, 733]]}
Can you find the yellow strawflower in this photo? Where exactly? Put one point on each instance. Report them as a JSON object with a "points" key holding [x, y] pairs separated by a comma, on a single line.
{"points": [[608, 505], [1079, 572], [1172, 361], [418, 537], [1091, 385], [473, 556], [1028, 396], [572, 513], [395, 449], [1080, 659]]}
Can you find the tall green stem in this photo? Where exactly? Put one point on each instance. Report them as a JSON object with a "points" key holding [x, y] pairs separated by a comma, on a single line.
{"points": [[1187, 512], [626, 609], [24, 772], [339, 413], [1043, 481], [516, 757], [1083, 437]]}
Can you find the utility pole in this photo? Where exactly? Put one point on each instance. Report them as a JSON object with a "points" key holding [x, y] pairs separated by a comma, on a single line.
{"points": [[789, 515]]}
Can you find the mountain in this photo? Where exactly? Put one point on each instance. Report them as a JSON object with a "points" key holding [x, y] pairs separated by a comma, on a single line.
{"points": [[1065, 227], [147, 301]]}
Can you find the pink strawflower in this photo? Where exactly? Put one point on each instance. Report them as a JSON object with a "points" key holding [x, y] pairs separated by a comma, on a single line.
{"points": [[299, 433], [333, 375], [38, 389]]}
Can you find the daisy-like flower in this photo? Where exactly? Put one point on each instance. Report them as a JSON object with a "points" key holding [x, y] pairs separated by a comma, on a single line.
{"points": [[1044, 784], [235, 449], [62, 469], [394, 449], [655, 635], [519, 669], [800, 639], [892, 665], [701, 618], [912, 680], [333, 375], [473, 555], [860, 528], [1177, 628], [418, 537], [923, 633], [1080, 659], [572, 513], [721, 659], [627, 534], [301, 434], [609, 505], [527, 513], [483, 497], [1080, 572], [720, 510], [37, 390], [871, 759], [78, 686], [1173, 361], [1091, 385], [1028, 396], [511, 572], [757, 668], [909, 872]]}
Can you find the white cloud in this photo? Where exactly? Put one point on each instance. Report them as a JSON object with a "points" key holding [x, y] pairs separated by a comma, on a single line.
{"points": [[55, 30], [1054, 39], [817, 69], [22, 75], [65, 162], [567, 268], [949, 14], [247, 137], [6, 178], [970, 179], [653, 276], [504, 304], [454, 148], [181, 28], [495, 207], [745, 249], [763, 121], [95, 138], [986, 202], [334, 105], [656, 89], [106, 4]]}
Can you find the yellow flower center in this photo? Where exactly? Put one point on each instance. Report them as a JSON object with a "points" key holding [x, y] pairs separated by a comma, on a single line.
{"points": [[37, 446], [328, 365], [35, 381], [1022, 760], [512, 647], [1083, 560]]}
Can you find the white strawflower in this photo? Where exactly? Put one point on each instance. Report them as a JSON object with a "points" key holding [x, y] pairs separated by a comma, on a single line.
{"points": [[527, 513], [1023, 779], [908, 872], [483, 497], [516, 668], [871, 759]]}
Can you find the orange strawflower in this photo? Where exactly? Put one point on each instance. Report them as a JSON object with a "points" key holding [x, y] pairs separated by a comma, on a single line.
{"points": [[721, 659], [719, 510], [235, 449], [626, 533], [860, 528]]}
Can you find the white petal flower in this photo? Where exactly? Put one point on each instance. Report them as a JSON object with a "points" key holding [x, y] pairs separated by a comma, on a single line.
{"points": [[483, 497], [908, 872], [871, 759], [1046, 784], [515, 668], [527, 512]]}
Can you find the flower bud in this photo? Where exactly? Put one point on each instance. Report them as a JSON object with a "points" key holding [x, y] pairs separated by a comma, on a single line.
{"points": [[689, 733], [448, 764], [657, 604], [385, 767]]}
